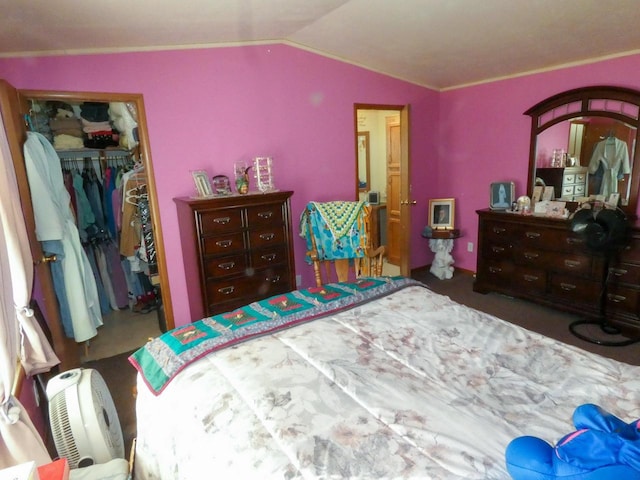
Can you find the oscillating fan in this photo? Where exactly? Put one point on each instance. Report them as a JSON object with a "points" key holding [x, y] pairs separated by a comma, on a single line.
{"points": [[605, 230], [84, 421]]}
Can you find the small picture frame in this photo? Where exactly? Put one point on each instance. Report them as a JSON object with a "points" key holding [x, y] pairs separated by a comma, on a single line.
{"points": [[614, 198], [442, 213], [537, 194], [548, 193], [203, 185], [501, 195]]}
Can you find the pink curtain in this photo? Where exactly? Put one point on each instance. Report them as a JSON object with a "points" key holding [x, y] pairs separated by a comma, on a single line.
{"points": [[21, 339]]}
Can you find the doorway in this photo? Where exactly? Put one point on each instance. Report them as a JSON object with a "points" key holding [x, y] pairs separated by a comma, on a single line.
{"points": [[17, 108], [382, 175]]}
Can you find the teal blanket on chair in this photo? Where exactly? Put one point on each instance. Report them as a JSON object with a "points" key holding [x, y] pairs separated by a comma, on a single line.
{"points": [[337, 227]]}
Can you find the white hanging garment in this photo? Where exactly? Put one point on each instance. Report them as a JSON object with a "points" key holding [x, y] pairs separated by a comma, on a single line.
{"points": [[54, 221]]}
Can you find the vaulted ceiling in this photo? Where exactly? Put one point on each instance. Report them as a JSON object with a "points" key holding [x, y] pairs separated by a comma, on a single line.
{"points": [[436, 43]]}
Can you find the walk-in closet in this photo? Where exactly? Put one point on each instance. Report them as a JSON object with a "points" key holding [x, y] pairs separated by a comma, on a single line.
{"points": [[92, 216]]}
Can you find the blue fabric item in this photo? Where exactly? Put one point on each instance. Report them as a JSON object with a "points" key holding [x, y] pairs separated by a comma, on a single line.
{"points": [[337, 229], [55, 247], [603, 448], [105, 307]]}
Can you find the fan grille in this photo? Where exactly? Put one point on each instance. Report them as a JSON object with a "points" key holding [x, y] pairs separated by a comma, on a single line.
{"points": [[61, 429]]}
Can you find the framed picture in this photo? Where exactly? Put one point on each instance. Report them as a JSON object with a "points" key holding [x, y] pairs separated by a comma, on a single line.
{"points": [[502, 194], [537, 194], [203, 185], [442, 213], [548, 193], [614, 198]]}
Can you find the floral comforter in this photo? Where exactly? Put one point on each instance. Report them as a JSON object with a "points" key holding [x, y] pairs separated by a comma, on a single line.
{"points": [[411, 385]]}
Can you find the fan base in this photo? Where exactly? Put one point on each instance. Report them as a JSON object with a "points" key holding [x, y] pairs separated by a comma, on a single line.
{"points": [[606, 329]]}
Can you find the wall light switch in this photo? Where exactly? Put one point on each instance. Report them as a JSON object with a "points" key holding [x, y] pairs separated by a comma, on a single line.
{"points": [[470, 247]]}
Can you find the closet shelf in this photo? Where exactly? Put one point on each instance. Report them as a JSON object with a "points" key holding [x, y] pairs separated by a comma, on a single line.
{"points": [[110, 152]]}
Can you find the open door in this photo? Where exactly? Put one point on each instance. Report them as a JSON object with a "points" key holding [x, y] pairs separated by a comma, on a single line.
{"points": [[14, 105], [388, 133]]}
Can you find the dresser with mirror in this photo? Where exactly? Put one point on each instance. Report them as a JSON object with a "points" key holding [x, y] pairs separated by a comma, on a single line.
{"points": [[583, 142]]}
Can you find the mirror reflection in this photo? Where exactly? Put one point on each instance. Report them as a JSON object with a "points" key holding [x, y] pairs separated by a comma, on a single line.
{"points": [[586, 156], [364, 175]]}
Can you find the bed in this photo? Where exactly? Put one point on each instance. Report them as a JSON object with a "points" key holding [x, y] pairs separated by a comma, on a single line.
{"points": [[377, 378]]}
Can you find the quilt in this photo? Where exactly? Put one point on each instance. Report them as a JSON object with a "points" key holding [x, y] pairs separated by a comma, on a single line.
{"points": [[410, 385]]}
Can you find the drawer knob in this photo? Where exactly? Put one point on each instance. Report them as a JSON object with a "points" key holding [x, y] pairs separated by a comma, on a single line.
{"points": [[222, 220], [531, 255], [227, 290], [574, 241], [530, 278], [618, 272], [224, 243], [532, 234], [274, 279], [267, 236], [567, 287], [269, 257], [616, 298], [497, 249], [227, 265], [265, 214], [572, 263], [495, 269], [499, 230]]}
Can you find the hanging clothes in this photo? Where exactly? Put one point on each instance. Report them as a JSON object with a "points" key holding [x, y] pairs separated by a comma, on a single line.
{"points": [[610, 160], [54, 221]]}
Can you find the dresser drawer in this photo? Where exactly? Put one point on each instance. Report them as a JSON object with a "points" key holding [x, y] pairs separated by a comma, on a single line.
{"points": [[575, 289], [224, 266], [625, 273], [223, 244], [228, 289], [550, 239], [267, 236], [271, 281], [264, 215], [630, 253], [498, 272], [500, 232], [269, 256], [622, 299], [531, 280], [220, 221]]}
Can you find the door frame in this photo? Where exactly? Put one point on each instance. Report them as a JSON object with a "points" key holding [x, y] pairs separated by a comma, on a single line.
{"points": [[405, 168], [15, 107]]}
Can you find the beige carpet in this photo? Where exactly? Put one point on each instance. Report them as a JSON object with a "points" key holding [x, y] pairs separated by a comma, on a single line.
{"points": [[123, 331]]}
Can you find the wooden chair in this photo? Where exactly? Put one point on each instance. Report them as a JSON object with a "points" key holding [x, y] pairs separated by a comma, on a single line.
{"points": [[327, 270]]}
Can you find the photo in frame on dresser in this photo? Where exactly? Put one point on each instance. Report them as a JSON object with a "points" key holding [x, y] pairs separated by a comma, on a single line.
{"points": [[203, 185], [501, 195]]}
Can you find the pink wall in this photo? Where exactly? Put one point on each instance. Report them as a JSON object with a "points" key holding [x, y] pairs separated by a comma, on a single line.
{"points": [[484, 136], [208, 108]]}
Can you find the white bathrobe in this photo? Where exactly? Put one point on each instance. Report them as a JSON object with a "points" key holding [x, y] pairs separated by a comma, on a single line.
{"points": [[54, 221], [613, 154]]}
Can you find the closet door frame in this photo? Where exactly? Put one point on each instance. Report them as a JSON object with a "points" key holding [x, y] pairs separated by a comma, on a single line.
{"points": [[14, 109]]}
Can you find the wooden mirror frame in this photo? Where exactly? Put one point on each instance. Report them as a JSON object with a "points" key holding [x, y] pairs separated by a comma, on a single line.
{"points": [[618, 103]]}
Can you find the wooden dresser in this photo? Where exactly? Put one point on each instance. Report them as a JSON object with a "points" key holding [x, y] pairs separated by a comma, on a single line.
{"points": [[240, 246], [538, 259], [623, 289]]}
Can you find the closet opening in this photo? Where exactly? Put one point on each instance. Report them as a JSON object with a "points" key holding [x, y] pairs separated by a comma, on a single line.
{"points": [[112, 301]]}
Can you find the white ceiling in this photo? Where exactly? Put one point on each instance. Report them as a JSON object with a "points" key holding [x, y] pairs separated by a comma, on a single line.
{"points": [[435, 43]]}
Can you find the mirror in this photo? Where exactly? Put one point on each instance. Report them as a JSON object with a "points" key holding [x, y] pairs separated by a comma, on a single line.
{"points": [[364, 175], [583, 142]]}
